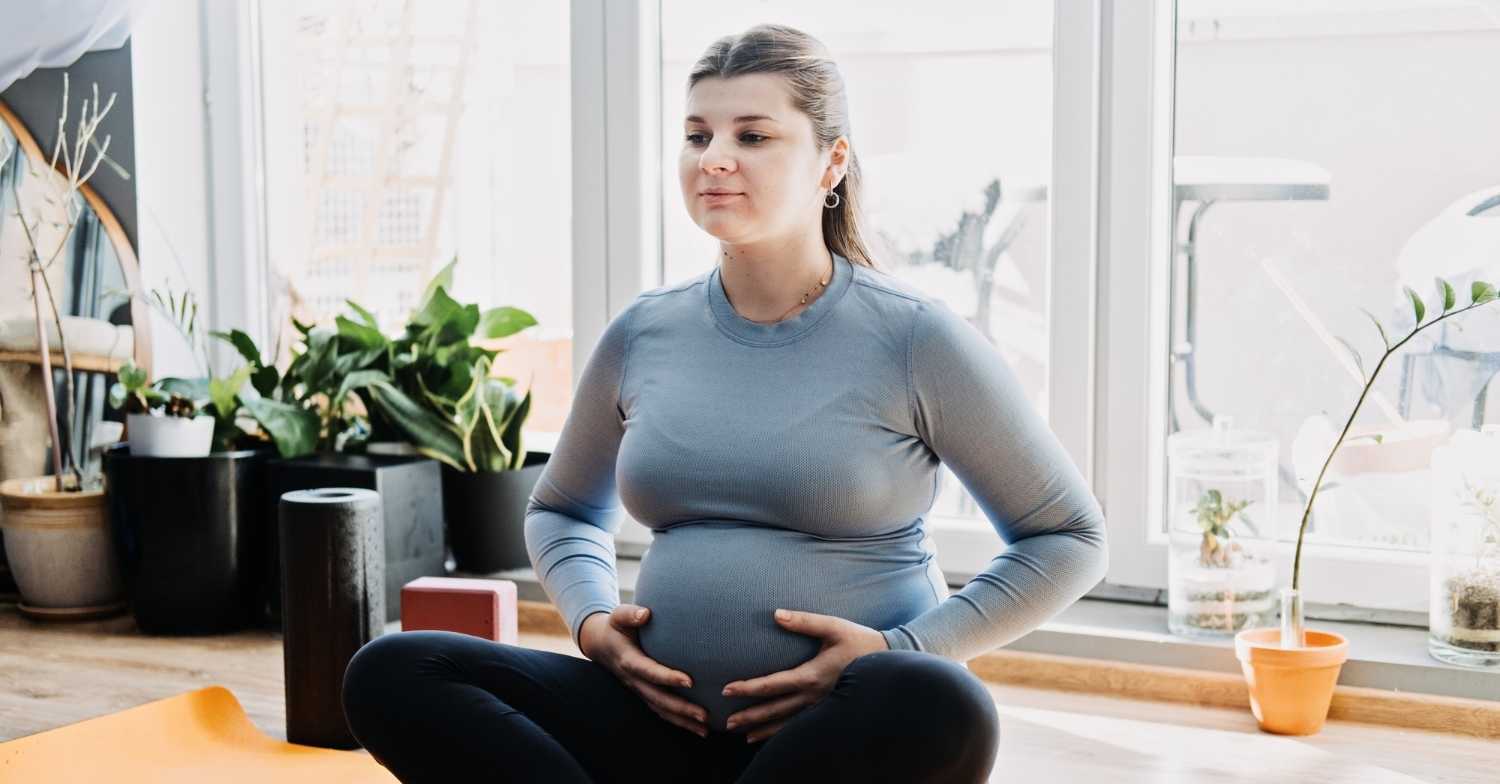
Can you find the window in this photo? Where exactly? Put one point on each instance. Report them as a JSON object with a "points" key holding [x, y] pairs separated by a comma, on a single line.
{"points": [[1322, 156], [398, 137]]}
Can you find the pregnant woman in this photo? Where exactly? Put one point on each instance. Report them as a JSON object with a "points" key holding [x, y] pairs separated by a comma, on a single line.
{"points": [[779, 423]]}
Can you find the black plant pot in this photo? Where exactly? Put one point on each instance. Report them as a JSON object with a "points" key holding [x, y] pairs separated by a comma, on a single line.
{"points": [[486, 514], [191, 536], [411, 500]]}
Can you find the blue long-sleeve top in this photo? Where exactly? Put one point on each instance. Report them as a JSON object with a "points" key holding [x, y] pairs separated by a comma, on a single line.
{"points": [[792, 465]]}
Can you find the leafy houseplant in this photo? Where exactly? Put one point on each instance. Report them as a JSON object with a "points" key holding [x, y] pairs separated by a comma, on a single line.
{"points": [[159, 423], [1292, 670], [442, 396]]}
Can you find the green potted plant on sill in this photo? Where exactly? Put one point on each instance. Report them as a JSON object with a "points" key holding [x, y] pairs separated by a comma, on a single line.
{"points": [[1292, 670], [442, 396], [159, 423]]}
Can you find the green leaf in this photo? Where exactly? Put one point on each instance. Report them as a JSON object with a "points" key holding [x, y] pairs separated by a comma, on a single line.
{"points": [[1481, 292], [504, 321], [1449, 298], [443, 279], [1417, 306], [431, 435], [364, 314], [225, 392], [294, 429], [242, 343], [1380, 327], [195, 389], [359, 335], [359, 379], [117, 395], [1353, 352], [511, 434], [131, 376], [265, 380]]}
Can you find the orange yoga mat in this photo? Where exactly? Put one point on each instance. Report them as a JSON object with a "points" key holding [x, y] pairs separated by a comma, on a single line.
{"points": [[196, 737]]}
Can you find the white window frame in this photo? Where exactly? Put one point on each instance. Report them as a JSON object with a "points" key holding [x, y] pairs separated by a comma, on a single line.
{"points": [[1135, 238], [1112, 108]]}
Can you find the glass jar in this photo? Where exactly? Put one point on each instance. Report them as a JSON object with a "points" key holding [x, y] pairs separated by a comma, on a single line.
{"points": [[1221, 524], [1464, 608]]}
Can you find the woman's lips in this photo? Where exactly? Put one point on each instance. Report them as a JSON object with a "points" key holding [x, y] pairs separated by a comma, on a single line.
{"points": [[719, 198]]}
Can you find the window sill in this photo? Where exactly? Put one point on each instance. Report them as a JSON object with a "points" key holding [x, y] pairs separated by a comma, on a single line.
{"points": [[1387, 658]]}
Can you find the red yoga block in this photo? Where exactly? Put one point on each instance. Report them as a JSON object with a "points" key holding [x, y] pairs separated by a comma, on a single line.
{"points": [[483, 608]]}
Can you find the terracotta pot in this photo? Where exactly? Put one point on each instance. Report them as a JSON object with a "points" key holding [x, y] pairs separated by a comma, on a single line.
{"points": [[1291, 688], [62, 550]]}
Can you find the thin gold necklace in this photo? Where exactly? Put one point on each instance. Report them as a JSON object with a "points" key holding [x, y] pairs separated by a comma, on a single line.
{"points": [[821, 284]]}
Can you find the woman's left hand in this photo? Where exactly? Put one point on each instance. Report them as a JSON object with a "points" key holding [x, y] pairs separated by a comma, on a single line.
{"points": [[843, 642]]}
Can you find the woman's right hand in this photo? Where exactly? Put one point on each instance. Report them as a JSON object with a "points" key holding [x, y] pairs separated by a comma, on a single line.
{"points": [[611, 639]]}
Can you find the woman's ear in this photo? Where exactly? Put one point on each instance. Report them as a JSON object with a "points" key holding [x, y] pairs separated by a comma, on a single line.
{"points": [[838, 163]]}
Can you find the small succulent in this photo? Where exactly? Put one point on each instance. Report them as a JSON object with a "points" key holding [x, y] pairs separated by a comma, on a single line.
{"points": [[1215, 515], [135, 395]]}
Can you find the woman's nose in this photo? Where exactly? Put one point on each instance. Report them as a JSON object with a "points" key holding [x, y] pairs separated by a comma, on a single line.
{"points": [[714, 160]]}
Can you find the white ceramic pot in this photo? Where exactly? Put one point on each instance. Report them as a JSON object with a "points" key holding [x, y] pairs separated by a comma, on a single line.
{"points": [[169, 436]]}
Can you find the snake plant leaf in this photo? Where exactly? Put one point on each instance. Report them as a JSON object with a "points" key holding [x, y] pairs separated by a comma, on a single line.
{"points": [[428, 432], [293, 429], [511, 435], [359, 379]]}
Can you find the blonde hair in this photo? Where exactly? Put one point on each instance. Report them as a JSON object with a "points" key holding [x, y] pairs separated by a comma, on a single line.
{"points": [[817, 91]]}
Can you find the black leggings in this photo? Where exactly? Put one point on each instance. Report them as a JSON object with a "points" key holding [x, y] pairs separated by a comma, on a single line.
{"points": [[434, 706]]}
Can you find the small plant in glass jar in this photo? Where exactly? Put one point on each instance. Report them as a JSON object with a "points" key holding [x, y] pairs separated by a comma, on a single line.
{"points": [[1220, 580], [1465, 610]]}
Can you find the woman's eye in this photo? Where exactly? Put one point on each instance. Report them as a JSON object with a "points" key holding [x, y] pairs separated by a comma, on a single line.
{"points": [[749, 138]]}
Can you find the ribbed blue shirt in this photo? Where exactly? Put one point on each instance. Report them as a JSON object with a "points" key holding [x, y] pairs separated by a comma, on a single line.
{"points": [[793, 465]]}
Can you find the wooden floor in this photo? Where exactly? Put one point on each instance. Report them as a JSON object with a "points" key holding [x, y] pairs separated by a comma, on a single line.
{"points": [[51, 675]]}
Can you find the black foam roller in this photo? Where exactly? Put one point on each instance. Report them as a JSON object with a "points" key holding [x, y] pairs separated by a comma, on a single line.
{"points": [[333, 602]]}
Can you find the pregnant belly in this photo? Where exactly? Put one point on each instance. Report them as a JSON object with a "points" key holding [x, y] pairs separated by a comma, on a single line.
{"points": [[712, 588]]}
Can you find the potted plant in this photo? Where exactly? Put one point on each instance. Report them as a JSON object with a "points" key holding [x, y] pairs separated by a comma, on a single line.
{"points": [[442, 396], [487, 473], [159, 423], [57, 535], [194, 557], [1292, 670], [1464, 622]]}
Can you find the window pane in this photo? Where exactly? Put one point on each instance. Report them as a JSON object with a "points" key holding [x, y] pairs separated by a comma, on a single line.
{"points": [[401, 137], [1348, 150], [950, 113]]}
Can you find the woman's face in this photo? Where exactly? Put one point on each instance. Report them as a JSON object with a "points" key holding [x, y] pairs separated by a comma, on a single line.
{"points": [[743, 136]]}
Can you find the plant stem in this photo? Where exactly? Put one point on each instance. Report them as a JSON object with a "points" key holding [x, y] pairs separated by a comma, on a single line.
{"points": [[72, 414], [41, 337], [1369, 384]]}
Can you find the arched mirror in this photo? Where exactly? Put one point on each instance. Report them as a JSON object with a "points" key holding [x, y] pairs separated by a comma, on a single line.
{"points": [[92, 276]]}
